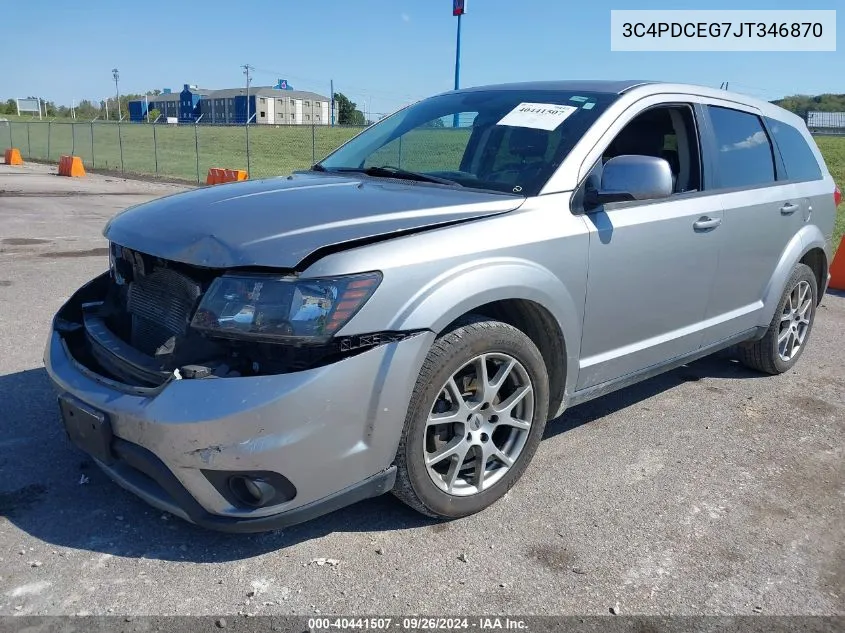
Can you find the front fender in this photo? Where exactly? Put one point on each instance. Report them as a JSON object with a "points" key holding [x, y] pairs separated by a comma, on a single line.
{"points": [[464, 288], [808, 238]]}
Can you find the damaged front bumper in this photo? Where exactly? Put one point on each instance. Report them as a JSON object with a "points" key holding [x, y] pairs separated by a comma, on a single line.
{"points": [[321, 438]]}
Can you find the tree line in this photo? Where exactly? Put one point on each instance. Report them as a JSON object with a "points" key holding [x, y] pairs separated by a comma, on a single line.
{"points": [[801, 104], [347, 111], [86, 109]]}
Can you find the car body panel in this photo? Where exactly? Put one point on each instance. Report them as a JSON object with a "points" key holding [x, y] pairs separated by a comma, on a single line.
{"points": [[650, 276], [277, 423], [748, 255], [432, 279], [277, 222]]}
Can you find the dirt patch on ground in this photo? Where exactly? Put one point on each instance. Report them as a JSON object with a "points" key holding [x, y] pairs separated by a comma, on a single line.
{"points": [[24, 241], [813, 406], [552, 557], [91, 252]]}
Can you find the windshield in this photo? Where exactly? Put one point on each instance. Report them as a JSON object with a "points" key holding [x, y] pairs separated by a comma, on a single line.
{"points": [[499, 140]]}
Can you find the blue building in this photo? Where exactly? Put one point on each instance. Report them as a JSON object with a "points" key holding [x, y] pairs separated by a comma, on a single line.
{"points": [[189, 103], [241, 110], [137, 110], [167, 104]]}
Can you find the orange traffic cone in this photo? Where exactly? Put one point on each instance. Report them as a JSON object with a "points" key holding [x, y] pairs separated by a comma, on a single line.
{"points": [[837, 268], [12, 156]]}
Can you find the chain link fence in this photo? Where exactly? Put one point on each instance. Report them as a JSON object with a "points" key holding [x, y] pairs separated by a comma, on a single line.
{"points": [[187, 151], [183, 151]]}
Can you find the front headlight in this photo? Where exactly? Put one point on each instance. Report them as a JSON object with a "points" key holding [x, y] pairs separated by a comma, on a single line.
{"points": [[262, 306]]}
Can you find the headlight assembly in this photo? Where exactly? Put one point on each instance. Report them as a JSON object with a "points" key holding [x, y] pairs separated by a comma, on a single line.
{"points": [[267, 307]]}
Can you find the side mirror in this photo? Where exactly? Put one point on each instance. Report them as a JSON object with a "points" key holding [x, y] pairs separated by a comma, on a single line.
{"points": [[632, 177]]}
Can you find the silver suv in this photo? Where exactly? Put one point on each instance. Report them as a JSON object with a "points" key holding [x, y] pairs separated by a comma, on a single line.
{"points": [[407, 314]]}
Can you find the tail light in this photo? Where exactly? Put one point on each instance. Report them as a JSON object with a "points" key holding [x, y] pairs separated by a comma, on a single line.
{"points": [[837, 196]]}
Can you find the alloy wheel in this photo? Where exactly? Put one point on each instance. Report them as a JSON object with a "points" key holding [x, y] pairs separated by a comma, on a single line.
{"points": [[479, 424], [795, 321]]}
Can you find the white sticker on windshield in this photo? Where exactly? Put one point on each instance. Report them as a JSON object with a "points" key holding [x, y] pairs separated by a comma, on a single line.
{"points": [[540, 116]]}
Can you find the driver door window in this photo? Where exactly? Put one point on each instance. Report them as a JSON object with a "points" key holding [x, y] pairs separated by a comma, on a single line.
{"points": [[666, 132]]}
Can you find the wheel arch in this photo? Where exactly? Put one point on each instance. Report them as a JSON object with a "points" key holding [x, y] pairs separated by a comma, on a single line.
{"points": [[806, 247], [539, 325], [816, 259], [521, 293]]}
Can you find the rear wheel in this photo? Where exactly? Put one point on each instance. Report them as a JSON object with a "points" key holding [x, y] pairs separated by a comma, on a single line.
{"points": [[475, 419], [790, 328]]}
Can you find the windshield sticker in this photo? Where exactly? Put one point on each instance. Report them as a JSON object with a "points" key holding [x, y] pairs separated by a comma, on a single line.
{"points": [[578, 99], [540, 116], [588, 106]]}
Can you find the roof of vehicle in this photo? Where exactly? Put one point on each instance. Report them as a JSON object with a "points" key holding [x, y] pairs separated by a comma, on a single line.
{"points": [[575, 85], [643, 88]]}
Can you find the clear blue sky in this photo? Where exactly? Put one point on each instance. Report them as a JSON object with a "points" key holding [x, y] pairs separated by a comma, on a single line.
{"points": [[380, 53]]}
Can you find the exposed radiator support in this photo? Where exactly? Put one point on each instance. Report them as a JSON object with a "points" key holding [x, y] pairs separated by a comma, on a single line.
{"points": [[160, 304]]}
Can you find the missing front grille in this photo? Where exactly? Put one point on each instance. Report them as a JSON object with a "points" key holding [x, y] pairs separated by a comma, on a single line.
{"points": [[160, 304]]}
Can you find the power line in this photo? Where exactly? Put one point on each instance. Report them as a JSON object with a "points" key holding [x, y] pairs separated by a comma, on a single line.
{"points": [[395, 96]]}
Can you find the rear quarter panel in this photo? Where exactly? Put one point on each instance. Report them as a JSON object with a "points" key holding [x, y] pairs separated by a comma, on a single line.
{"points": [[819, 217]]}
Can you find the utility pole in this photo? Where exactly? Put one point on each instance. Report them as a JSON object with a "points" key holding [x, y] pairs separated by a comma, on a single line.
{"points": [[458, 9], [331, 89], [106, 102], [247, 69], [116, 76]]}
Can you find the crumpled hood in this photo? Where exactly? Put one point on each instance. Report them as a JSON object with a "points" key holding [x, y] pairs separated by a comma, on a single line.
{"points": [[278, 222]]}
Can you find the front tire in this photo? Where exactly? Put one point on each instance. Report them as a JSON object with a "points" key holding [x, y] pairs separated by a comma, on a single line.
{"points": [[475, 419], [790, 328]]}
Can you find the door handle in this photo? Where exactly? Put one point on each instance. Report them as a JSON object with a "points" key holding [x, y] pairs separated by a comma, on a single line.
{"points": [[788, 208], [706, 223]]}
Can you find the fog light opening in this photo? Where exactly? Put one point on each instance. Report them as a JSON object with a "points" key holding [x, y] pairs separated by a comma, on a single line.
{"points": [[252, 491]]}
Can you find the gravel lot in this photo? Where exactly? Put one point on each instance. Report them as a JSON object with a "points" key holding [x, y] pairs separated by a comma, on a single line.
{"points": [[708, 490]]}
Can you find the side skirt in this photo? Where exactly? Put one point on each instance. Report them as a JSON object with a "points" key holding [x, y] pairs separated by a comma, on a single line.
{"points": [[596, 391]]}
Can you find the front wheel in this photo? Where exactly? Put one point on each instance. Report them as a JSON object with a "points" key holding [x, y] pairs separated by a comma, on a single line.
{"points": [[790, 328], [475, 419]]}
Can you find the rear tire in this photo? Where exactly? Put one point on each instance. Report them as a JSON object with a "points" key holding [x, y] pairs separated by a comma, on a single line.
{"points": [[789, 331], [475, 419]]}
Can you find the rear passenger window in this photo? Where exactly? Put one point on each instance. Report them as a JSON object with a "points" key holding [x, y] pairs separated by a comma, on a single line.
{"points": [[744, 152], [797, 156]]}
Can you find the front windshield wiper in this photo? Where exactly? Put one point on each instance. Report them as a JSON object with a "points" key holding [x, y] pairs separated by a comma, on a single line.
{"points": [[388, 171]]}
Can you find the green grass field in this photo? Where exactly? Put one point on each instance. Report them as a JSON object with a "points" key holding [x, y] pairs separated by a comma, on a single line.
{"points": [[185, 153], [173, 151], [833, 149]]}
